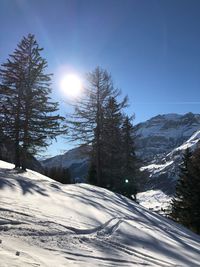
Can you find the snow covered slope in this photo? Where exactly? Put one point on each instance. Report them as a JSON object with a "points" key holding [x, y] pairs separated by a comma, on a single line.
{"points": [[44, 223], [155, 200]]}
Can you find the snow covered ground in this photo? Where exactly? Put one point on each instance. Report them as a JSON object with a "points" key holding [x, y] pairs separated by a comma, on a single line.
{"points": [[49, 224], [155, 200]]}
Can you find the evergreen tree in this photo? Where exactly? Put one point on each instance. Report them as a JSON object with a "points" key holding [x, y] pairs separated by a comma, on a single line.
{"points": [[86, 124], [59, 174], [26, 107], [66, 176], [53, 173], [10, 105], [129, 161], [186, 203], [112, 145], [98, 120], [92, 173]]}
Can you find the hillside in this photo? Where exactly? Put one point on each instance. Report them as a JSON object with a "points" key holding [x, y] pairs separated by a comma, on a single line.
{"points": [[75, 159], [160, 144], [50, 224], [160, 141]]}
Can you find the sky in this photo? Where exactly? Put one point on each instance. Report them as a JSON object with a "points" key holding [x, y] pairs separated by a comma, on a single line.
{"points": [[150, 47]]}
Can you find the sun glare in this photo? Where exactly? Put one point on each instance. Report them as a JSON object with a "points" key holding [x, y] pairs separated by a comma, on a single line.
{"points": [[71, 85]]}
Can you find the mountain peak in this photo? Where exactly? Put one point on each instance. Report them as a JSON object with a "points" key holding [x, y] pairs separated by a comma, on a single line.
{"points": [[169, 116]]}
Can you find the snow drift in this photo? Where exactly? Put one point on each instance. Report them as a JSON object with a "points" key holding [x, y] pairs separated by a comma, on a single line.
{"points": [[44, 223]]}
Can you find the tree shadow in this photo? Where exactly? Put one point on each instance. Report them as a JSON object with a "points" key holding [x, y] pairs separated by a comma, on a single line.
{"points": [[28, 186], [12, 179], [4, 183], [172, 232]]}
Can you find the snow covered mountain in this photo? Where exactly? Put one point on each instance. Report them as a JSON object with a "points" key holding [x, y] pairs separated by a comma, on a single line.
{"points": [[169, 145], [44, 223], [161, 134], [160, 143], [163, 177], [75, 159], [163, 173]]}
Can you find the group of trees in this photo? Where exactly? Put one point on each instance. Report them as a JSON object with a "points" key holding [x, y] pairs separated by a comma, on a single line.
{"points": [[186, 203], [27, 113], [28, 119], [99, 121], [61, 175]]}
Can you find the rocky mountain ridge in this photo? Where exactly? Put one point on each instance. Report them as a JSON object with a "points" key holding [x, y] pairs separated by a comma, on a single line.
{"points": [[160, 143], [158, 136]]}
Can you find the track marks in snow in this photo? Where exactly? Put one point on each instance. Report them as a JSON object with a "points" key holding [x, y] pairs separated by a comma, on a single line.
{"points": [[106, 228], [82, 225], [100, 238]]}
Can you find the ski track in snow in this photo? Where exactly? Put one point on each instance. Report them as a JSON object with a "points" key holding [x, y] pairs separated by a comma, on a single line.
{"points": [[80, 225]]}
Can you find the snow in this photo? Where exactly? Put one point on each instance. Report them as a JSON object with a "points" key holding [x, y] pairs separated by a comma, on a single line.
{"points": [[167, 168], [50, 224], [158, 129], [190, 143], [158, 136], [155, 200], [167, 125], [157, 168], [160, 142]]}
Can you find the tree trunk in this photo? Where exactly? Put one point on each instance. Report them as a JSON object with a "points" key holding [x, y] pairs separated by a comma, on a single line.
{"points": [[17, 147], [24, 165], [17, 154], [98, 154]]}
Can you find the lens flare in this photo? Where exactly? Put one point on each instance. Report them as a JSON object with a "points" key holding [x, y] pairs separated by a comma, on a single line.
{"points": [[71, 85]]}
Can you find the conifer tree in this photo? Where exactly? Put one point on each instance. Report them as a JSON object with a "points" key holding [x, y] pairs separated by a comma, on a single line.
{"points": [[59, 174], [186, 203], [64, 176], [129, 161], [29, 118], [86, 123], [98, 121], [112, 145], [92, 173]]}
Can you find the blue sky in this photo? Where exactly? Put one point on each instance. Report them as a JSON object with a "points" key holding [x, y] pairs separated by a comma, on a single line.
{"points": [[151, 47]]}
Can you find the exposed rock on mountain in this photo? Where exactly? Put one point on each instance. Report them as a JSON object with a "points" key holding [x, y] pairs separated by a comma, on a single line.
{"points": [[163, 133], [164, 173], [160, 141]]}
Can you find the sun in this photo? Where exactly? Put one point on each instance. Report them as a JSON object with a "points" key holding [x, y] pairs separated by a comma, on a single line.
{"points": [[71, 85]]}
